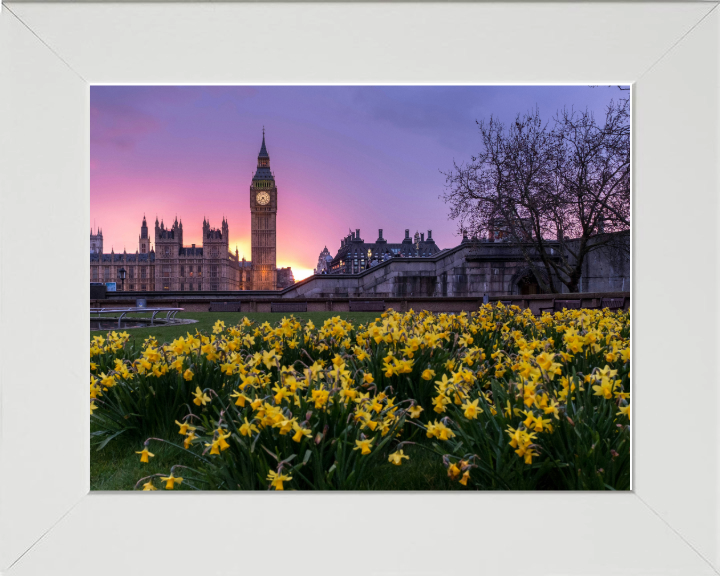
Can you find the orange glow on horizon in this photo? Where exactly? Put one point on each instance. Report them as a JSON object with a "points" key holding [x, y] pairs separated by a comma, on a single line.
{"points": [[299, 273]]}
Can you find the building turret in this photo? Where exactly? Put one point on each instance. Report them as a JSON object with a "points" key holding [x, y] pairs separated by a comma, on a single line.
{"points": [[144, 238], [96, 242]]}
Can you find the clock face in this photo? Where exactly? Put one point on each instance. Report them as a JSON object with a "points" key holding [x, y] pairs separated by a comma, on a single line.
{"points": [[262, 198]]}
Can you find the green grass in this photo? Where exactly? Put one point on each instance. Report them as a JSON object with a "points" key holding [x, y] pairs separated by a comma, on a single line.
{"points": [[207, 319], [118, 467]]}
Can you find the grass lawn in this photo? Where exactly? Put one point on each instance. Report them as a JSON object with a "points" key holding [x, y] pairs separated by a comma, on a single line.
{"points": [[207, 319], [118, 467]]}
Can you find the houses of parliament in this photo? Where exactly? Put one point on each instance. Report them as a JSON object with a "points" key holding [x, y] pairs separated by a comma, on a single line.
{"points": [[169, 265]]}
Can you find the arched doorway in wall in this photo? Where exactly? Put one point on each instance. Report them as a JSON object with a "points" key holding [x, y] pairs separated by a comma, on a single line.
{"points": [[528, 284], [524, 283]]}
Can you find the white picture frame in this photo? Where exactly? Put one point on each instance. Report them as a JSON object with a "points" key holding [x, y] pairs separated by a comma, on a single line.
{"points": [[49, 56]]}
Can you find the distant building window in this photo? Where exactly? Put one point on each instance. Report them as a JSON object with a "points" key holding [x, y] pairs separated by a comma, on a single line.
{"points": [[166, 286], [199, 270], [143, 287], [166, 271], [214, 287], [182, 272], [213, 271], [143, 272], [199, 286], [190, 287]]}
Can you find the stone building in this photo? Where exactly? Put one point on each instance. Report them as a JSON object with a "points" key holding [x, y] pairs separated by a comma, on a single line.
{"points": [[96, 242], [323, 261], [139, 270], [285, 278], [356, 255], [473, 268], [263, 227], [172, 266], [211, 266]]}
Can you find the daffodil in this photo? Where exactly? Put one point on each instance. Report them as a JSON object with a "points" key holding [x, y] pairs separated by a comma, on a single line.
{"points": [[145, 455], [248, 428], [184, 427], [453, 471], [276, 480], [397, 457], [428, 374], [364, 446], [148, 486], [201, 398], [171, 481], [415, 411], [300, 432], [471, 409]]}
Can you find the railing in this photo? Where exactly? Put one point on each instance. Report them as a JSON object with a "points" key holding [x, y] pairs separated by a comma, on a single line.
{"points": [[169, 317]]}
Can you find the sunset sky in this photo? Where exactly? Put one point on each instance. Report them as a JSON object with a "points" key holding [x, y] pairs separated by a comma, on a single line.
{"points": [[344, 157]]}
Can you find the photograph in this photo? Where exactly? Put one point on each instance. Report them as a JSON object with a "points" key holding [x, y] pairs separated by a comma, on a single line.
{"points": [[360, 287]]}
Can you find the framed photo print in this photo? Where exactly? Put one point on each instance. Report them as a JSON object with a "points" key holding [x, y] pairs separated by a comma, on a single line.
{"points": [[389, 260]]}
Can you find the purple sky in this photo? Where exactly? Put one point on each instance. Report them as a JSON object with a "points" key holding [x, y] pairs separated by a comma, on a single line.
{"points": [[344, 157]]}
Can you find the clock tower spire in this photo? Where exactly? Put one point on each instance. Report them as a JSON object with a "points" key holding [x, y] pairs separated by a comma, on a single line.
{"points": [[263, 210]]}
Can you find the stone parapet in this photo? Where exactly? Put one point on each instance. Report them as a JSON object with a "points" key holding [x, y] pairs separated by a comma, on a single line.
{"points": [[193, 303]]}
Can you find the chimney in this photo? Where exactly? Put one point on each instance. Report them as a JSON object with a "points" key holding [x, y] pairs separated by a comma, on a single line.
{"points": [[429, 235], [407, 233], [357, 233], [422, 236], [380, 234]]}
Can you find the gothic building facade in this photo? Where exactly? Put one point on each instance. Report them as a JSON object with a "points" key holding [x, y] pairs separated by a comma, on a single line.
{"points": [[96, 242], [263, 228], [169, 265], [356, 255]]}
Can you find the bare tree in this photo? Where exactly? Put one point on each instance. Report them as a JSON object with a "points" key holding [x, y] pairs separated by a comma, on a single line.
{"points": [[557, 191]]}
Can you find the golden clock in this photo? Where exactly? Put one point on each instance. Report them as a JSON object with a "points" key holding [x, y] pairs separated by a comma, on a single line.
{"points": [[262, 198]]}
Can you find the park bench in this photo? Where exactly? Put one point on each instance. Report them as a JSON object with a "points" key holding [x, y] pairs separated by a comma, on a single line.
{"points": [[367, 305], [288, 306], [225, 307], [612, 303], [559, 305]]}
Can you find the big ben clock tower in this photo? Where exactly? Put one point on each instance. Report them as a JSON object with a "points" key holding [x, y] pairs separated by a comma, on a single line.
{"points": [[263, 209]]}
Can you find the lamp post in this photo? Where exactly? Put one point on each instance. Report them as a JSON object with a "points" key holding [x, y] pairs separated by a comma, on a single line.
{"points": [[121, 273]]}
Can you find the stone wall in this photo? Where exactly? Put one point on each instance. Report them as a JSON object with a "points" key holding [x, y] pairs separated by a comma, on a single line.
{"points": [[434, 304]]}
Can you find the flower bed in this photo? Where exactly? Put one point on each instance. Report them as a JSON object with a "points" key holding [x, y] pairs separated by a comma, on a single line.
{"points": [[505, 400]]}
